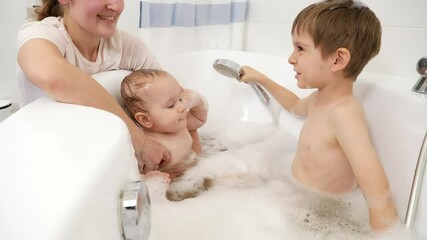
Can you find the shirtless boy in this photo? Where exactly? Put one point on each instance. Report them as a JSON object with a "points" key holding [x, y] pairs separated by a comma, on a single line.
{"points": [[168, 113], [333, 41]]}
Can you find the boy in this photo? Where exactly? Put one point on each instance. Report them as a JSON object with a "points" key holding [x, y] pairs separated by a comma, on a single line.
{"points": [[333, 41], [168, 113]]}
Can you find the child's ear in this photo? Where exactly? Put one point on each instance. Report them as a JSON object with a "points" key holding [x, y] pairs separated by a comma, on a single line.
{"points": [[341, 59], [143, 119]]}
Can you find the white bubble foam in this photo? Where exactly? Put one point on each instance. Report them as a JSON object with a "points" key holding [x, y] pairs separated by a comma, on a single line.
{"points": [[241, 188]]}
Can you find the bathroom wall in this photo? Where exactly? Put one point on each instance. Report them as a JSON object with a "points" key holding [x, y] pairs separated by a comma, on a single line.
{"points": [[12, 16], [404, 39], [268, 31]]}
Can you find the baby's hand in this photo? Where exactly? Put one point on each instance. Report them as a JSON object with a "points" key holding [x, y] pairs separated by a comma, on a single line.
{"points": [[157, 174], [197, 107], [157, 183], [190, 98]]}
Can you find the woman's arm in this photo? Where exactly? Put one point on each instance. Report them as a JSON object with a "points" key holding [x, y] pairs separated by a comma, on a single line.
{"points": [[44, 65]]}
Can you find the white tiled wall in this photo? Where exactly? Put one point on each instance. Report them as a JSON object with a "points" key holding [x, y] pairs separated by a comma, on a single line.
{"points": [[12, 16], [268, 31], [404, 39]]}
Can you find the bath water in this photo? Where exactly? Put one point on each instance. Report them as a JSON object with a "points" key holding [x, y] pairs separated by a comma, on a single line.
{"points": [[241, 188]]}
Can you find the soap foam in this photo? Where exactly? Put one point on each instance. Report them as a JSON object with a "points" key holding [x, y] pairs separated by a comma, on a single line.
{"points": [[241, 188]]}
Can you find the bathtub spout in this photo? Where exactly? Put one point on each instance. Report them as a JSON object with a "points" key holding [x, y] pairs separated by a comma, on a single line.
{"points": [[421, 85]]}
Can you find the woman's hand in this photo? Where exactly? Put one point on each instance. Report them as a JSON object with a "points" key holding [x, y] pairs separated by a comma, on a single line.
{"points": [[151, 156]]}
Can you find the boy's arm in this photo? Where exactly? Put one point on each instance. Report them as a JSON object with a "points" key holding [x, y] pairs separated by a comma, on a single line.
{"points": [[349, 127], [286, 98], [197, 108]]}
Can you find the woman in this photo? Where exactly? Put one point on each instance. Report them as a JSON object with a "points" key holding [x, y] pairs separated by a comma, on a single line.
{"points": [[73, 40]]}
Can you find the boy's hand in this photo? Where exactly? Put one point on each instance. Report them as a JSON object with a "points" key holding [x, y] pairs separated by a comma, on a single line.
{"points": [[250, 75]]}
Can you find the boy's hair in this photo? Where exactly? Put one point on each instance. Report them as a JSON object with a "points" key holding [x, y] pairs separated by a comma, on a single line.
{"points": [[346, 24], [131, 88]]}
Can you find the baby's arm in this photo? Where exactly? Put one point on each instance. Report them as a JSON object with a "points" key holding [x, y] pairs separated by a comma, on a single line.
{"points": [[286, 98], [197, 147], [197, 107], [348, 124]]}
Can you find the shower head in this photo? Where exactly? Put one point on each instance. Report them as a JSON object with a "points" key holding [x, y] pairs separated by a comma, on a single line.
{"points": [[231, 69], [228, 68]]}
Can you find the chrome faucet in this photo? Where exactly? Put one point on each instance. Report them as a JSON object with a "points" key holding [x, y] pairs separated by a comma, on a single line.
{"points": [[421, 85]]}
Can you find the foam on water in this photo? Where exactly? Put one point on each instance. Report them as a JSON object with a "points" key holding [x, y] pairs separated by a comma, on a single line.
{"points": [[242, 188]]}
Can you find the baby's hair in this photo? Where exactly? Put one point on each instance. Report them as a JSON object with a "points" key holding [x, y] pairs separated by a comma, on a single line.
{"points": [[346, 24], [131, 88], [50, 8]]}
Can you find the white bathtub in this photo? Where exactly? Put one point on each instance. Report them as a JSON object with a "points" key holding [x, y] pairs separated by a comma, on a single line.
{"points": [[62, 166]]}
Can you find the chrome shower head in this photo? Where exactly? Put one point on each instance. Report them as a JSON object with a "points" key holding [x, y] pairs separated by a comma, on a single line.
{"points": [[228, 68], [231, 69]]}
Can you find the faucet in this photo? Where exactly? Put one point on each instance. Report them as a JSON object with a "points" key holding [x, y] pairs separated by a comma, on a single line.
{"points": [[421, 85]]}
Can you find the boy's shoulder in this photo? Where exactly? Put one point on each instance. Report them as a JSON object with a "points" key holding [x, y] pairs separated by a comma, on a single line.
{"points": [[346, 109]]}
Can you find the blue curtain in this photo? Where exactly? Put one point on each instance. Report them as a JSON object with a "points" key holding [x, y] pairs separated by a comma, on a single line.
{"points": [[171, 27], [190, 15]]}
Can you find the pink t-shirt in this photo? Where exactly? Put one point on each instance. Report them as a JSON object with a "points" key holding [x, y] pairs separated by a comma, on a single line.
{"points": [[122, 51]]}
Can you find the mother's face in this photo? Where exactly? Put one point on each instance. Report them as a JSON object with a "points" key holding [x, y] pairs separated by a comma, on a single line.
{"points": [[94, 17]]}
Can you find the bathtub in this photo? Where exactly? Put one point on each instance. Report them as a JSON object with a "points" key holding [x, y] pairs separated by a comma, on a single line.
{"points": [[63, 167]]}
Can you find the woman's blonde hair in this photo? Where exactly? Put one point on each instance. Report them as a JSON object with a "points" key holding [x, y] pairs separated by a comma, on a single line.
{"points": [[49, 8]]}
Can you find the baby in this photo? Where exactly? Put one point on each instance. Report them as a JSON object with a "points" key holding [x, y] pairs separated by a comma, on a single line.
{"points": [[333, 41], [168, 114]]}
